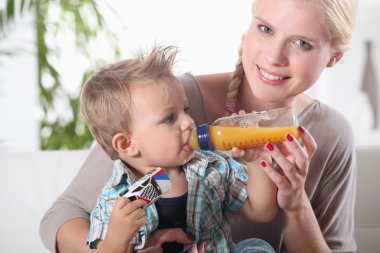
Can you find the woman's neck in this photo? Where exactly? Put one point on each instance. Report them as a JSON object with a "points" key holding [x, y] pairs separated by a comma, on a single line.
{"points": [[248, 102]]}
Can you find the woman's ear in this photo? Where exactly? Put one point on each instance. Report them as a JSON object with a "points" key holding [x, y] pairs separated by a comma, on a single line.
{"points": [[122, 143], [334, 59]]}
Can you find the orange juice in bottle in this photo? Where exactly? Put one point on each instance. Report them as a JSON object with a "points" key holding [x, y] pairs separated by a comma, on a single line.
{"points": [[246, 130]]}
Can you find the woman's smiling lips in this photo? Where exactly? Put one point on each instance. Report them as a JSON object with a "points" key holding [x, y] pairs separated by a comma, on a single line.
{"points": [[271, 78]]}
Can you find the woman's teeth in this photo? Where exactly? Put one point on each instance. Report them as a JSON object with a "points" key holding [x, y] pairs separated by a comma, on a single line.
{"points": [[270, 77]]}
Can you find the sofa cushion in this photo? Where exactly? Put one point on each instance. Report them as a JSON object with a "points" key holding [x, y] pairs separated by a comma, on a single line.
{"points": [[29, 184]]}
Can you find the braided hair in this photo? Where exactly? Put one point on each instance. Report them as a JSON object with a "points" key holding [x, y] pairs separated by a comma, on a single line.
{"points": [[236, 80]]}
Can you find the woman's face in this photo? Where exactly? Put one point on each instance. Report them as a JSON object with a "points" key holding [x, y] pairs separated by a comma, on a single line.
{"points": [[286, 49]]}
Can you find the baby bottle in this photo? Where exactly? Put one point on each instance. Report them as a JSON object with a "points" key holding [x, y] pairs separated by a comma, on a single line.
{"points": [[245, 131]]}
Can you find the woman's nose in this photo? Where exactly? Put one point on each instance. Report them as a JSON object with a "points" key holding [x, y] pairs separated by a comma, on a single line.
{"points": [[277, 54]]}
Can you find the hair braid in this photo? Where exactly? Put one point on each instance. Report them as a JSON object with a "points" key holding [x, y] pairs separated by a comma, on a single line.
{"points": [[233, 86]]}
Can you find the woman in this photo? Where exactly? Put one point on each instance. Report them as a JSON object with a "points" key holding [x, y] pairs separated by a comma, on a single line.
{"points": [[287, 46]]}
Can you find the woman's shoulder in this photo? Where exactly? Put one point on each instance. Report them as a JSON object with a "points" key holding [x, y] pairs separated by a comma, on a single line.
{"points": [[214, 89], [206, 95], [206, 82], [327, 125], [195, 98], [214, 79]]}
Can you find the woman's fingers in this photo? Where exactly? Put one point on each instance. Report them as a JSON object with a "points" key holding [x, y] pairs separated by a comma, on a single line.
{"points": [[291, 156], [278, 179], [286, 165], [293, 161], [284, 148], [161, 236], [198, 248], [301, 158], [302, 155], [308, 140]]}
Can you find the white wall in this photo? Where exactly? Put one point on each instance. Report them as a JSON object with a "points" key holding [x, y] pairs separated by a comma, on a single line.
{"points": [[340, 86], [209, 34], [18, 90]]}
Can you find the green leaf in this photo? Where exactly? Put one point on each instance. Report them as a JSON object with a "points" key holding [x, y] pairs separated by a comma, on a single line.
{"points": [[1, 21], [10, 9]]}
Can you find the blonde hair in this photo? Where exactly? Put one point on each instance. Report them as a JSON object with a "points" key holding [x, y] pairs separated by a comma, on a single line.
{"points": [[340, 18], [106, 97]]}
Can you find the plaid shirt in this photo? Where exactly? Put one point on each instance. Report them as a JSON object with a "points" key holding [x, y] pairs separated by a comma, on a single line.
{"points": [[216, 189]]}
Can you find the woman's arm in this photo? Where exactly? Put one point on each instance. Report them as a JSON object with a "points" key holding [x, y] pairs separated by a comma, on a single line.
{"points": [[66, 223], [71, 237], [301, 229]]}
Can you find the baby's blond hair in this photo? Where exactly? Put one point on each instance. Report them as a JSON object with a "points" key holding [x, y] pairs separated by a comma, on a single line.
{"points": [[106, 97]]}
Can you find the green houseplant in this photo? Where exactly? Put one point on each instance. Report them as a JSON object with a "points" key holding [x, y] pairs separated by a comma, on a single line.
{"points": [[82, 19]]}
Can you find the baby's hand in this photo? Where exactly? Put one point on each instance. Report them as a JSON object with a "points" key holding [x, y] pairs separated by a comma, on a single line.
{"points": [[125, 221]]}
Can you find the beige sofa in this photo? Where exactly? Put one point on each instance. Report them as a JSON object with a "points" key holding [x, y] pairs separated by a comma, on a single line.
{"points": [[30, 182]]}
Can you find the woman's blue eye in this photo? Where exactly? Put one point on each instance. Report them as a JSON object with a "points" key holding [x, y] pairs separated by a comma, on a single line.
{"points": [[265, 29], [303, 44]]}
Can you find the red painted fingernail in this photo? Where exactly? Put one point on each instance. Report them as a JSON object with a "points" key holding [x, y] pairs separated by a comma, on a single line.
{"points": [[289, 137], [301, 129], [191, 238], [263, 164], [269, 146]]}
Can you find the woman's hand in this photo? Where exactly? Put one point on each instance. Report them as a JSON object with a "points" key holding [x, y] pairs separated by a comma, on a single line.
{"points": [[293, 161], [198, 248]]}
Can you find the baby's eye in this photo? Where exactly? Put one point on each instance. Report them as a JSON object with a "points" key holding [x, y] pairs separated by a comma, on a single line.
{"points": [[265, 29], [302, 43], [170, 119]]}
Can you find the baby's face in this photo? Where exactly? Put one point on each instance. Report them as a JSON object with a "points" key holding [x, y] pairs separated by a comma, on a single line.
{"points": [[160, 124]]}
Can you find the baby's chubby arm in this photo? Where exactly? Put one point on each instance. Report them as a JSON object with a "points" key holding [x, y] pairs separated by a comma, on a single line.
{"points": [[125, 221], [261, 205]]}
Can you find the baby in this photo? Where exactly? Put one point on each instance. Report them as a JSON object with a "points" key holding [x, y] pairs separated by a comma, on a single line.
{"points": [[137, 111]]}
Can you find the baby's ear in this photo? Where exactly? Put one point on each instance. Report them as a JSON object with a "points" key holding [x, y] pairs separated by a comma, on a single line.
{"points": [[122, 143]]}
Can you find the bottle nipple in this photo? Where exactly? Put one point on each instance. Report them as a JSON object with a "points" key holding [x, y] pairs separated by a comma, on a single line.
{"points": [[200, 137], [193, 139]]}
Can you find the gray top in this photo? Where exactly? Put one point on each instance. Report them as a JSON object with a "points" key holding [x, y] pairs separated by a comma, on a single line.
{"points": [[330, 185]]}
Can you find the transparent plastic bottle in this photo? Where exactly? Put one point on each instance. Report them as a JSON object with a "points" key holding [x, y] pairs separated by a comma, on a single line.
{"points": [[245, 131]]}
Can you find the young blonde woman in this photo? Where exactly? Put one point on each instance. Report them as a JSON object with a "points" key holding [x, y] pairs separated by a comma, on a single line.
{"points": [[284, 51]]}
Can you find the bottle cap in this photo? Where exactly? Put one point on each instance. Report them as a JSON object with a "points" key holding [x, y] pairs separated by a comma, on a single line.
{"points": [[204, 137]]}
